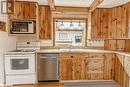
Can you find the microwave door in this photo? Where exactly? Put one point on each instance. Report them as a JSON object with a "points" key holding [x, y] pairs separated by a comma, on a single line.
{"points": [[23, 27], [19, 27]]}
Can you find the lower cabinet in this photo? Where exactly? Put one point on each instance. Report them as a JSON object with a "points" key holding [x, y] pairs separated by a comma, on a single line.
{"points": [[120, 74], [72, 67], [118, 45], [100, 66], [82, 66]]}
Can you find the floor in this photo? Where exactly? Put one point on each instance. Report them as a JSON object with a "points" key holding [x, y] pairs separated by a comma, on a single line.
{"points": [[41, 85], [72, 84]]}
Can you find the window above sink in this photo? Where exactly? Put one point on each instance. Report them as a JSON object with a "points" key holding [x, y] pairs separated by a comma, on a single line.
{"points": [[70, 32]]}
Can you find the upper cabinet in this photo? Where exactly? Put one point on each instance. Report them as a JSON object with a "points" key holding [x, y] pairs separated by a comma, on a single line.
{"points": [[119, 22], [100, 23], [24, 10], [113, 23], [45, 22], [129, 21]]}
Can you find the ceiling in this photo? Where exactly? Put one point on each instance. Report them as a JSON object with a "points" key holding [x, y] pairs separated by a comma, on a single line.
{"points": [[83, 3]]}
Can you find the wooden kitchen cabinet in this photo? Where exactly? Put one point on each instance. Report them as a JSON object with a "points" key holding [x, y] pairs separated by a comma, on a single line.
{"points": [[108, 66], [72, 66], [99, 24], [100, 67], [129, 20], [112, 44], [95, 66], [120, 74], [119, 22], [82, 66], [24, 10], [78, 67], [127, 68], [66, 68], [45, 22], [127, 64], [119, 45]]}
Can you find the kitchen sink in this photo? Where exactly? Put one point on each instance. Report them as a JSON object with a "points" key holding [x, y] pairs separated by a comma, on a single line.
{"points": [[70, 50]]}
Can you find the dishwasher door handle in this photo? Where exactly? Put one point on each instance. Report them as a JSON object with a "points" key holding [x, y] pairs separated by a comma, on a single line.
{"points": [[48, 57]]}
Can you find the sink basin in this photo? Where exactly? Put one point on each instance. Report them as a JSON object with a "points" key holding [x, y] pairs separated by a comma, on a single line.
{"points": [[64, 50], [70, 50]]}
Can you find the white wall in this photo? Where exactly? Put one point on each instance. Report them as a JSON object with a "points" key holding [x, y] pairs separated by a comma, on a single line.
{"points": [[6, 43]]}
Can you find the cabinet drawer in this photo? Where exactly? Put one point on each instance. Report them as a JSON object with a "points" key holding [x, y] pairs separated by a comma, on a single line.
{"points": [[99, 56], [95, 65], [71, 55], [95, 69], [65, 55], [95, 76], [95, 61]]}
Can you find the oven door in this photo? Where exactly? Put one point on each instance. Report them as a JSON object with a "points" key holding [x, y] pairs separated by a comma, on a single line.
{"points": [[20, 64]]}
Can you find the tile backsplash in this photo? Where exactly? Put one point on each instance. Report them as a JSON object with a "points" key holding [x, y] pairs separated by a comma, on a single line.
{"points": [[46, 42], [91, 42]]}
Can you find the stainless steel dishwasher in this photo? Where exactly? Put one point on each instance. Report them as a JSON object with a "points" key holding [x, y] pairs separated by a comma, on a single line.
{"points": [[48, 67]]}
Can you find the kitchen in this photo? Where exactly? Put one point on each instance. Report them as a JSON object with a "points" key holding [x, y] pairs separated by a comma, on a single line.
{"points": [[54, 43]]}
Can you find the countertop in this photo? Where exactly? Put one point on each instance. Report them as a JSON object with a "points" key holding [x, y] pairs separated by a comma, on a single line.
{"points": [[82, 51]]}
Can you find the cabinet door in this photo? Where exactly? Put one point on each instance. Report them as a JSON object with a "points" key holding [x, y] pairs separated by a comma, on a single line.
{"points": [[104, 15], [118, 68], [127, 65], [24, 10], [29, 10], [112, 45], [112, 30], [66, 68], [125, 20], [95, 66], [18, 11], [45, 22], [120, 45], [108, 67], [79, 67], [119, 22], [95, 25], [129, 21], [120, 75]]}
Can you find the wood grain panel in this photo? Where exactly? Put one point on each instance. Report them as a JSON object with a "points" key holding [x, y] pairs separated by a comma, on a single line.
{"points": [[66, 68], [108, 67], [79, 68], [119, 22], [100, 23], [118, 45], [112, 45], [111, 23], [24, 10], [45, 22], [120, 74], [2, 26], [100, 67]]}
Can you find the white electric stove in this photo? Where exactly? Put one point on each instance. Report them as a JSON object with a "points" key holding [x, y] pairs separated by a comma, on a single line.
{"points": [[20, 64]]}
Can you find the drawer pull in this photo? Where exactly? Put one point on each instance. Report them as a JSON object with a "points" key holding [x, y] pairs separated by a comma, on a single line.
{"points": [[71, 56]]}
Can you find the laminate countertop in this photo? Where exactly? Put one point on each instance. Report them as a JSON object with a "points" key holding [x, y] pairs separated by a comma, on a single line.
{"points": [[81, 51]]}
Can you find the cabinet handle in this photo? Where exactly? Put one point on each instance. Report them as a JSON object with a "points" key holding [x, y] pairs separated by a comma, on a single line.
{"points": [[123, 34], [110, 33], [71, 56]]}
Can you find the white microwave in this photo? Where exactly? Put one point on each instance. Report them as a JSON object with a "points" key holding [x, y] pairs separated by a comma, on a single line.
{"points": [[23, 27]]}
